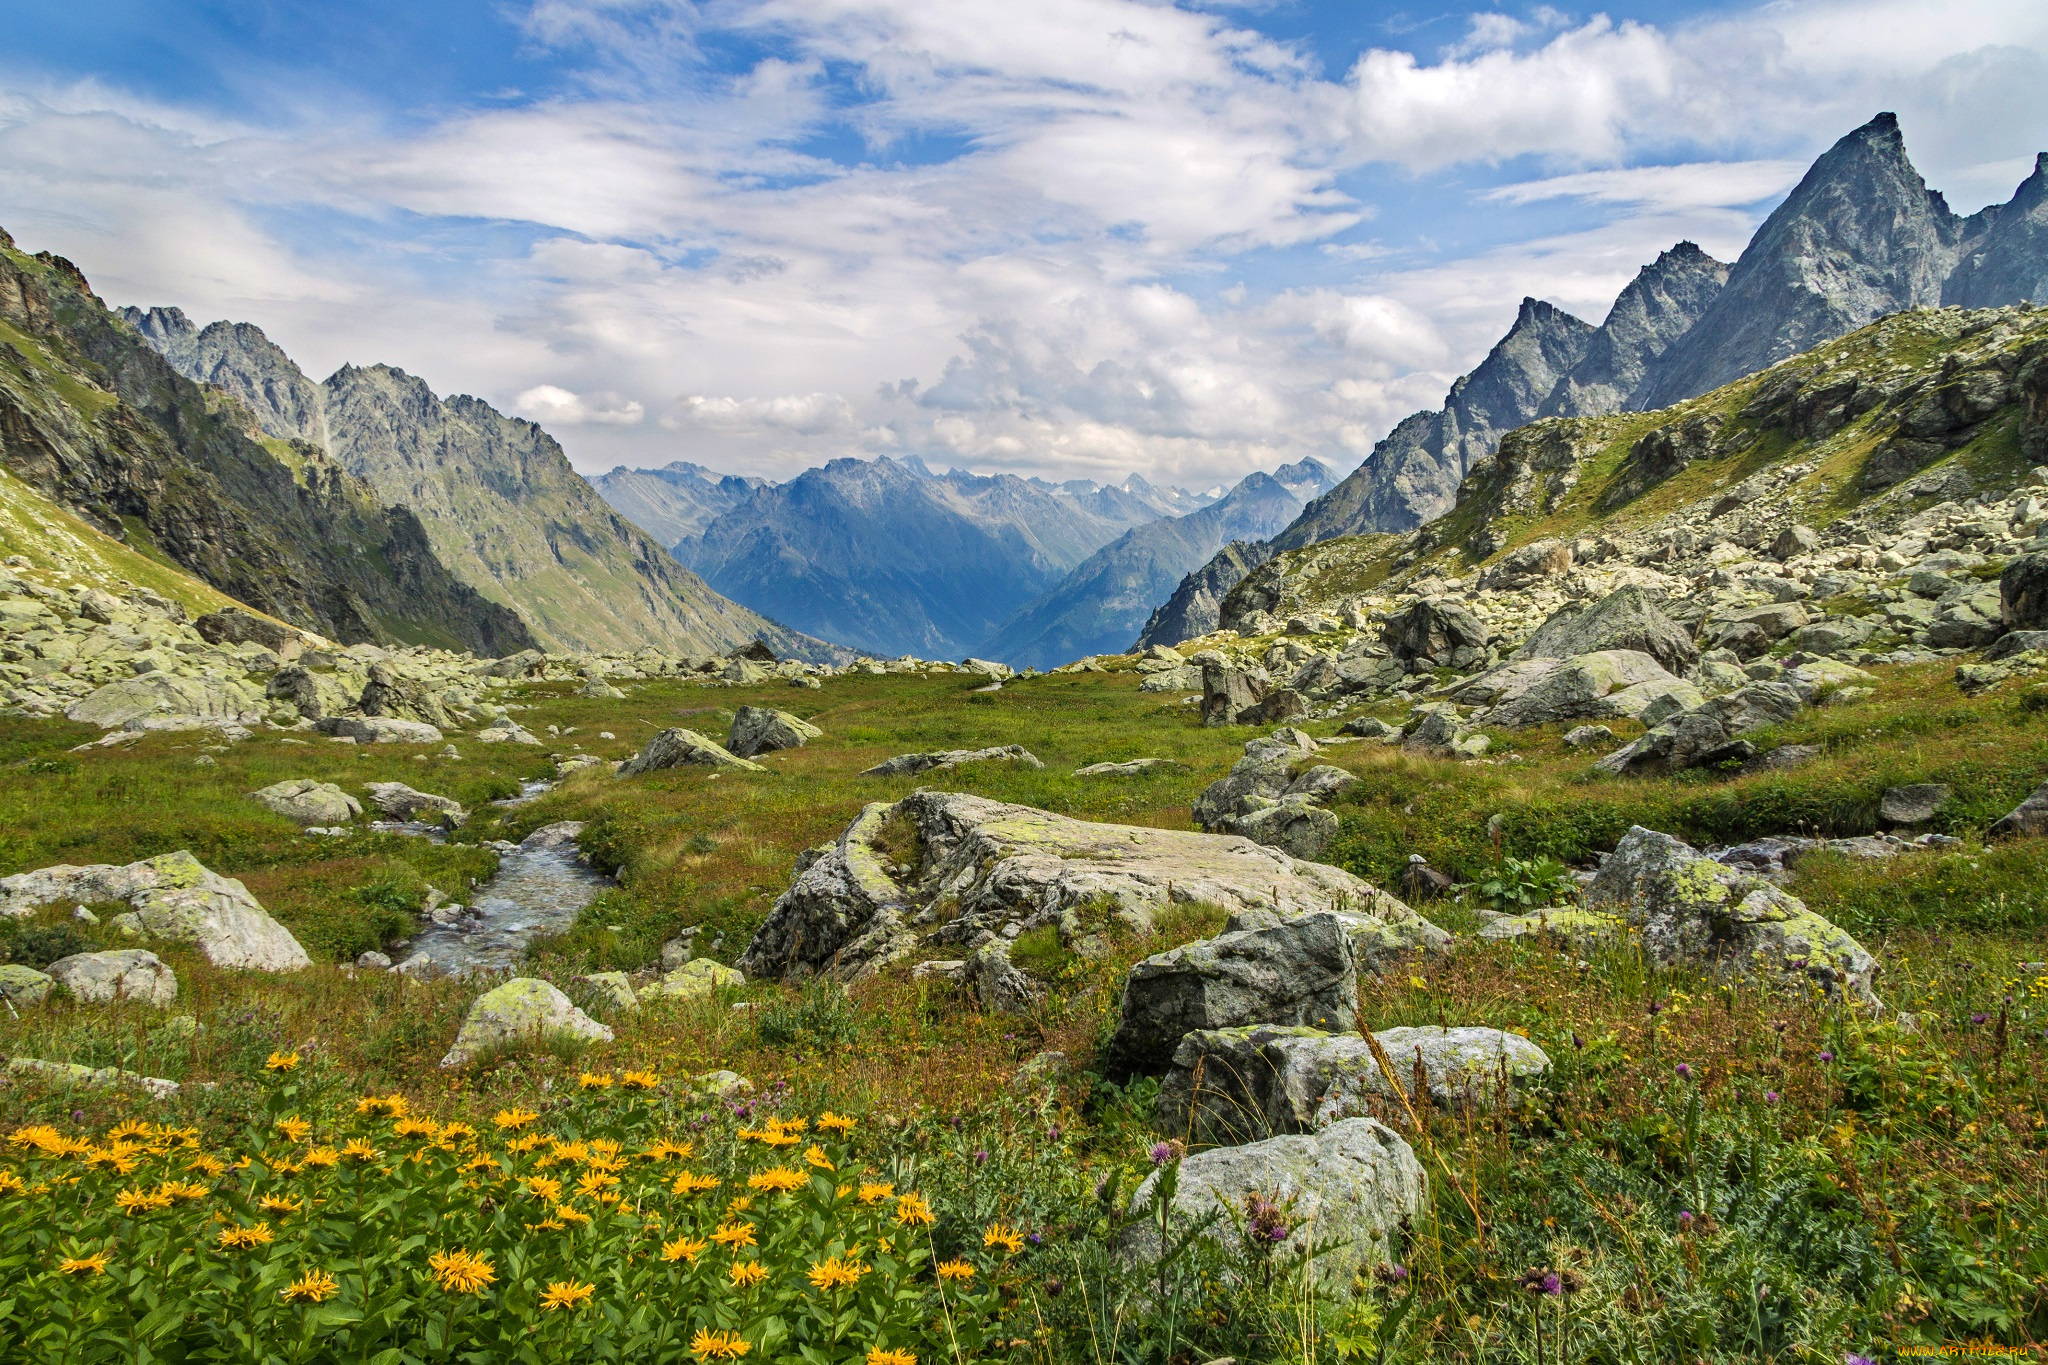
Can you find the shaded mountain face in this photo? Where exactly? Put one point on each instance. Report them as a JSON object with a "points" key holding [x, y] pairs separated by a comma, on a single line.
{"points": [[1412, 476], [676, 501], [1196, 607], [2004, 254], [96, 420], [497, 498], [1660, 305], [1104, 601], [891, 558], [1859, 237]]}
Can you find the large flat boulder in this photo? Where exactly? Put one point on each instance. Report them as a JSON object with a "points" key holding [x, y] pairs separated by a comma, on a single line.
{"points": [[947, 867], [307, 801], [129, 974], [175, 899], [678, 748], [400, 802], [762, 729], [1626, 619], [522, 1010], [937, 760], [1237, 1085], [1589, 687], [1709, 732], [1684, 907], [202, 702], [1348, 1192]]}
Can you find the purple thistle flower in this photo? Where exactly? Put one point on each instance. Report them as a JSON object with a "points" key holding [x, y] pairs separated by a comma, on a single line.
{"points": [[1685, 1220], [1979, 1018], [1853, 1359], [1162, 1152], [1052, 1134], [1397, 1272], [1034, 1239], [1552, 1285], [1826, 1056], [981, 1157], [1770, 1097], [1684, 1072]]}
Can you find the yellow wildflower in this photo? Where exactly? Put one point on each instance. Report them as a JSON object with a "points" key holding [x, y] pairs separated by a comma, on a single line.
{"points": [[775, 1137], [295, 1128], [383, 1106], [128, 1130], [271, 1203], [234, 1238], [455, 1132], [183, 1191], [912, 1211], [684, 1249], [545, 1188], [690, 1182], [322, 1157], [520, 1146], [359, 1152], [836, 1274], [135, 1203], [571, 1151], [566, 1294], [604, 1149], [595, 1080], [734, 1235], [411, 1127], [482, 1161], [835, 1123], [955, 1270], [509, 1119], [878, 1356], [282, 1061], [738, 1204], [210, 1166], [816, 1156], [10, 1183], [796, 1125], [1009, 1239], [568, 1213], [315, 1286], [872, 1193], [747, 1274], [779, 1179], [664, 1150], [709, 1344], [639, 1080], [461, 1272], [95, 1264], [547, 1224], [285, 1166], [595, 1182]]}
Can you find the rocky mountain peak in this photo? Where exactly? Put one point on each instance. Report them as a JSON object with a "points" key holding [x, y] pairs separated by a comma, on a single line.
{"points": [[1860, 236], [2004, 254], [1656, 308]]}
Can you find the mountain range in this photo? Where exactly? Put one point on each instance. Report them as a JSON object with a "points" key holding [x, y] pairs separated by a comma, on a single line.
{"points": [[677, 501], [891, 558], [1859, 237], [500, 505]]}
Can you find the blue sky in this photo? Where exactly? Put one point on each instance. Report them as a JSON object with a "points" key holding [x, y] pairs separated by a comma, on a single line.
{"points": [[1073, 237]]}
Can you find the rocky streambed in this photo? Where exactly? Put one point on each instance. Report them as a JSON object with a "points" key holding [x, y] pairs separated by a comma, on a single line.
{"points": [[541, 886]]}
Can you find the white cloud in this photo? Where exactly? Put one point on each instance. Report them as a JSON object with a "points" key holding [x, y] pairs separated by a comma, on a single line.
{"points": [[552, 406], [1694, 185]]}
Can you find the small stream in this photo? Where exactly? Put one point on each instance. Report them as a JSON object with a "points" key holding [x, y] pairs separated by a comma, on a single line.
{"points": [[541, 886]]}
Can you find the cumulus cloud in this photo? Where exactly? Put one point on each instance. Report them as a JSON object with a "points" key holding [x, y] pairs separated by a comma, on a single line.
{"points": [[1073, 238], [552, 406]]}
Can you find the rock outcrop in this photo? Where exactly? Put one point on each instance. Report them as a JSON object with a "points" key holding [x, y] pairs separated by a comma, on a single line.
{"points": [[523, 1010], [1237, 1085], [307, 801], [676, 748], [128, 974], [1686, 908], [949, 868], [761, 729], [176, 900], [1348, 1191], [400, 802], [907, 765]]}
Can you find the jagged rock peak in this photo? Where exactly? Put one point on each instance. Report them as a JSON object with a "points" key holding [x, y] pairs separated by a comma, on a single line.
{"points": [[2004, 255], [1653, 311], [1860, 236]]}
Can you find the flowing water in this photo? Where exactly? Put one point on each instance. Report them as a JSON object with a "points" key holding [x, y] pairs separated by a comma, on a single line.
{"points": [[540, 888]]}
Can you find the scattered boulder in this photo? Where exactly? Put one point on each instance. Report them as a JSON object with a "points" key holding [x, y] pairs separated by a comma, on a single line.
{"points": [[523, 1009], [1281, 704], [1709, 733], [904, 765], [1293, 824], [397, 696], [24, 986], [694, 980], [1437, 632], [1586, 736], [188, 703], [760, 729], [1237, 1085], [105, 1077], [380, 730], [603, 993], [126, 974], [1793, 542], [1266, 770], [234, 626], [401, 802], [2029, 818], [1832, 635], [1913, 804], [1688, 908], [1749, 631], [1421, 882], [1348, 1192], [506, 731], [1370, 727], [2023, 593], [1626, 619], [675, 748], [527, 663], [1227, 692], [306, 801], [862, 900], [176, 899], [1616, 682], [1136, 767], [1298, 971]]}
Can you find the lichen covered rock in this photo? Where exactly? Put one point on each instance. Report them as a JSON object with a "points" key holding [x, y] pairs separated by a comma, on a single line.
{"points": [[128, 974], [307, 801], [760, 730], [522, 1010], [677, 748], [176, 899]]}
